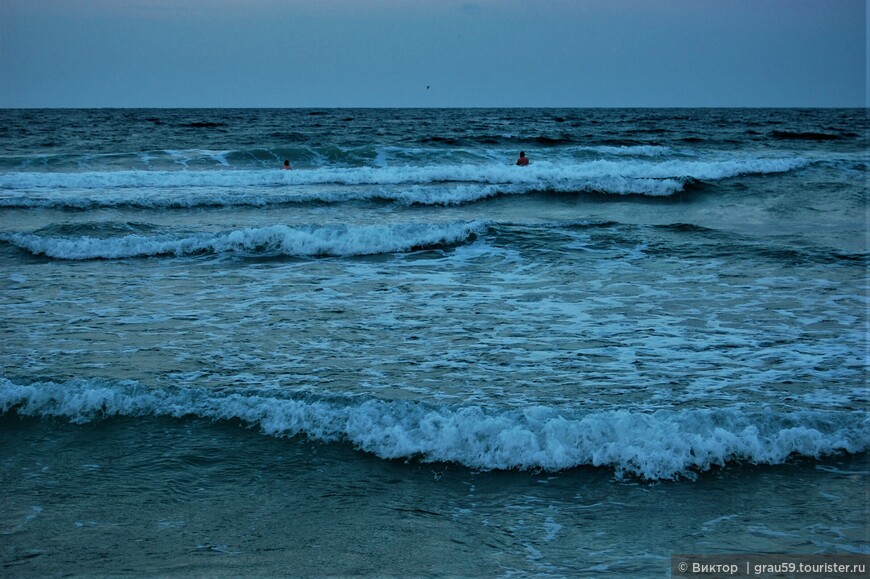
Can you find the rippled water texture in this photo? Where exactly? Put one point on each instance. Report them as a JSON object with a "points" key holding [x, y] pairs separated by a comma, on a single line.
{"points": [[409, 344]]}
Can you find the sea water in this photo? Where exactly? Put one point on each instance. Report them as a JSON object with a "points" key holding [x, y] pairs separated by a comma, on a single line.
{"points": [[408, 356]]}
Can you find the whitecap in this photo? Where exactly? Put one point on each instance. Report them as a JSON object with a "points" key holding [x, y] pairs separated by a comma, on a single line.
{"points": [[663, 444]]}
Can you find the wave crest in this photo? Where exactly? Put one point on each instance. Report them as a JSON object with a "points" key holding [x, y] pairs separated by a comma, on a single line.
{"points": [[441, 184], [338, 240], [665, 444]]}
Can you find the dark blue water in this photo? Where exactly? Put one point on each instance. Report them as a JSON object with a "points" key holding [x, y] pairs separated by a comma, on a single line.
{"points": [[409, 356]]}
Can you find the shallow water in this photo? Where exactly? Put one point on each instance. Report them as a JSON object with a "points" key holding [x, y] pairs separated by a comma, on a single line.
{"points": [[188, 497]]}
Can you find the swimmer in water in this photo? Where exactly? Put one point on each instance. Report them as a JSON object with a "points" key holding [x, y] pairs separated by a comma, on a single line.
{"points": [[523, 160]]}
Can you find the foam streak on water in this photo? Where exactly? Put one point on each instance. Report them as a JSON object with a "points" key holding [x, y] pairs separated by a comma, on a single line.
{"points": [[661, 300]]}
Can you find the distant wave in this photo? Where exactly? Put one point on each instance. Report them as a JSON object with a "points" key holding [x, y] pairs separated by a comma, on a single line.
{"points": [[810, 136], [561, 140], [665, 444], [443, 184], [338, 240], [322, 156]]}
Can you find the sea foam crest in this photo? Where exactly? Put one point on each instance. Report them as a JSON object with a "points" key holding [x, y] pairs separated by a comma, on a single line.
{"points": [[664, 444], [336, 240], [609, 176]]}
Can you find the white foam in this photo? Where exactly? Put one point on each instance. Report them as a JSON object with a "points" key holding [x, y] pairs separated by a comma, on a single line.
{"points": [[458, 183], [631, 150], [274, 240], [653, 445]]}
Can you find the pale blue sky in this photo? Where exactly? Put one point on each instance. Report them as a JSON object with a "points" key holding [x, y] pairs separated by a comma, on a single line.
{"points": [[475, 53]]}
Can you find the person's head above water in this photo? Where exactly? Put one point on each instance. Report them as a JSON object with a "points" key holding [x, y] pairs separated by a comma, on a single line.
{"points": [[523, 160]]}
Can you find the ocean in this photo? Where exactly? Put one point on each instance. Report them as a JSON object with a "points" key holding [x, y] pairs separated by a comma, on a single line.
{"points": [[408, 356]]}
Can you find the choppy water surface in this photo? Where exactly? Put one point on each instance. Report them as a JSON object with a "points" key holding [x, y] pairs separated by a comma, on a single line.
{"points": [[421, 338]]}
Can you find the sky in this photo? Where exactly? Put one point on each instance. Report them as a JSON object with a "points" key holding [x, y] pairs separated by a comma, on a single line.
{"points": [[434, 53]]}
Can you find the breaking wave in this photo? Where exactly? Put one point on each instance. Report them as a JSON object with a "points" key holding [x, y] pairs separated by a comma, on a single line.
{"points": [[428, 185], [311, 241], [665, 444]]}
